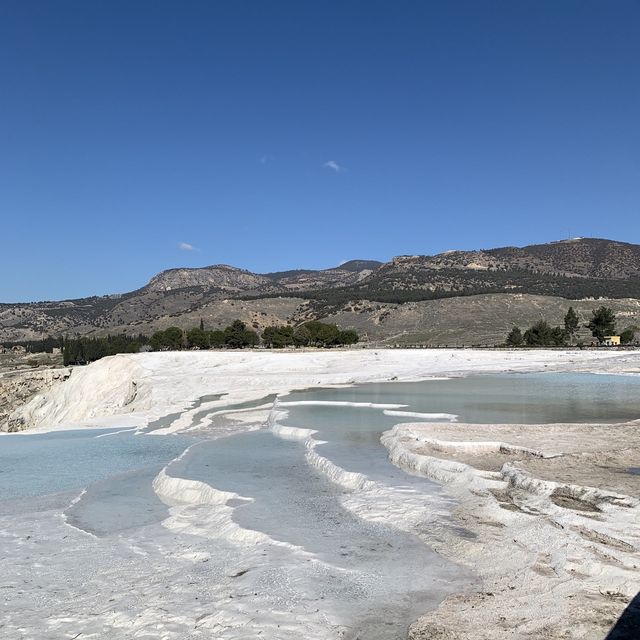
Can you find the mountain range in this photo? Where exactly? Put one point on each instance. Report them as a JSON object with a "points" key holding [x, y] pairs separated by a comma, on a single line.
{"points": [[416, 298]]}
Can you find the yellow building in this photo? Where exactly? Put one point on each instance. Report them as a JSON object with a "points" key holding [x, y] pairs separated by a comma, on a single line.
{"points": [[611, 341]]}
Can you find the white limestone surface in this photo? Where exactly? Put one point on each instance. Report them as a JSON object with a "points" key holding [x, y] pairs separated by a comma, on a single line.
{"points": [[134, 389], [200, 574]]}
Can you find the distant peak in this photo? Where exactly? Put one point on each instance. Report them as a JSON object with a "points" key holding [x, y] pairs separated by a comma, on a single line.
{"points": [[210, 266], [358, 265], [566, 240]]}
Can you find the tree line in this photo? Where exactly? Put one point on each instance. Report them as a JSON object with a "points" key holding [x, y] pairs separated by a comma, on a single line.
{"points": [[541, 334], [309, 334], [234, 336], [238, 336], [46, 345], [85, 350], [82, 350]]}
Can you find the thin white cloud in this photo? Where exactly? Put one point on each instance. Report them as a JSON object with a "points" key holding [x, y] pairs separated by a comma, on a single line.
{"points": [[185, 246], [334, 166]]}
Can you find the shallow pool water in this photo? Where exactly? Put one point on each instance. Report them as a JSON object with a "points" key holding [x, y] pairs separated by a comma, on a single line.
{"points": [[44, 463], [381, 577], [352, 551], [505, 398], [352, 434]]}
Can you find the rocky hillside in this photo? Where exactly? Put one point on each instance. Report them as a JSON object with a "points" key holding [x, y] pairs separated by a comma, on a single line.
{"points": [[346, 274], [218, 276], [225, 279], [576, 269], [469, 320], [580, 258], [579, 268], [577, 258], [174, 294]]}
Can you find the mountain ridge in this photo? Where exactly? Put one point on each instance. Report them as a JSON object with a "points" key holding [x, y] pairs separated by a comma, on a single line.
{"points": [[591, 258], [575, 269]]}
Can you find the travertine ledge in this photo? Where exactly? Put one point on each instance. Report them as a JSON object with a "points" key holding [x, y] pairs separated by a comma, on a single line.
{"points": [[552, 516]]}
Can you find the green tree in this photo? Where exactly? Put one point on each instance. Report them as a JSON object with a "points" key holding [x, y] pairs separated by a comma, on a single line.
{"points": [[571, 322], [603, 323], [237, 336], [234, 334], [515, 339], [278, 337], [69, 353], [198, 338], [251, 338], [216, 338], [558, 337], [173, 337], [157, 341], [539, 335], [301, 336], [170, 338], [628, 334], [347, 336], [269, 335], [321, 334], [81, 350]]}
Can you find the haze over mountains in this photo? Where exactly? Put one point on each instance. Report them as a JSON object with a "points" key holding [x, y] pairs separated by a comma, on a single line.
{"points": [[456, 296]]}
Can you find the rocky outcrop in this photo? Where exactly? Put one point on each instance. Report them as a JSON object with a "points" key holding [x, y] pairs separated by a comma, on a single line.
{"points": [[106, 387], [17, 388], [221, 276]]}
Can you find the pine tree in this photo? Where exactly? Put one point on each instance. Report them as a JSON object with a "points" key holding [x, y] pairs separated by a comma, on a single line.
{"points": [[571, 322], [539, 335], [515, 339], [603, 322]]}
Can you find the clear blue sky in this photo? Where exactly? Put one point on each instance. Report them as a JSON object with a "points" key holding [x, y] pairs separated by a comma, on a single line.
{"points": [[272, 135]]}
